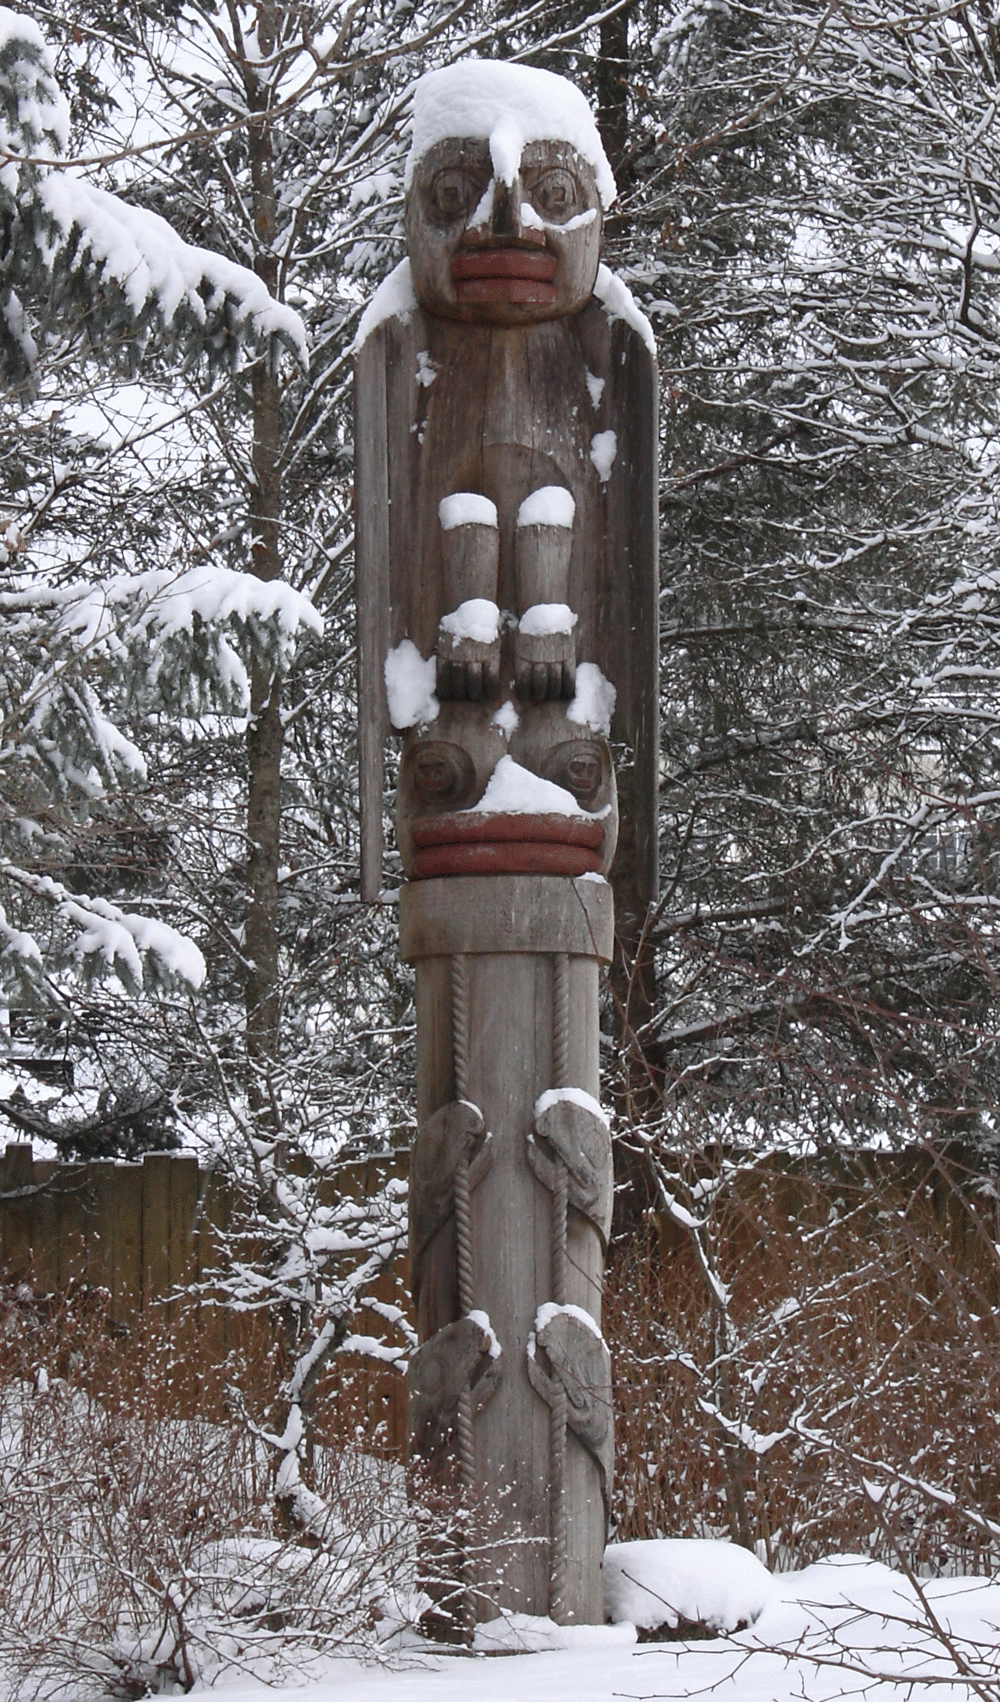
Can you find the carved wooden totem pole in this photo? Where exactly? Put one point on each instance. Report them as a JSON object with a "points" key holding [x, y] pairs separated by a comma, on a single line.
{"points": [[506, 547]]}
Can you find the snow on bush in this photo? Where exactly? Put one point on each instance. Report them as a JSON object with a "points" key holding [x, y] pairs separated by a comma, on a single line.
{"points": [[140, 1550], [690, 1580]]}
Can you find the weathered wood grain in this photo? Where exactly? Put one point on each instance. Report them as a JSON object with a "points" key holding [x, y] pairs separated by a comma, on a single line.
{"points": [[497, 914]]}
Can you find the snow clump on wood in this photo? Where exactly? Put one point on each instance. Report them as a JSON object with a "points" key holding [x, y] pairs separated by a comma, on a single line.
{"points": [[514, 790], [409, 687], [477, 618], [551, 505], [466, 508]]}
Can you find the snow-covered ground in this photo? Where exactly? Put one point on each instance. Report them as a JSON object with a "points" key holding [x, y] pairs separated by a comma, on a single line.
{"points": [[845, 1627]]}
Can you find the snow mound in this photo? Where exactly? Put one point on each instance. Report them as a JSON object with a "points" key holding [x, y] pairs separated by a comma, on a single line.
{"points": [[409, 687], [477, 618], [514, 790], [707, 1583], [466, 508], [544, 618], [550, 505], [508, 106], [394, 299], [528, 1634]]}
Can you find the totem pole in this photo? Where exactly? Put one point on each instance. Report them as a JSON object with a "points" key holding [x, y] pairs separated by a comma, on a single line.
{"points": [[506, 549]]}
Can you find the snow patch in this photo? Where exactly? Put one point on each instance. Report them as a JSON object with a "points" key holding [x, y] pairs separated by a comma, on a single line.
{"points": [[595, 389], [477, 619], [514, 790], [572, 1095], [426, 369], [515, 104], [603, 451], [661, 1582], [529, 1634], [466, 508], [550, 505], [483, 1320], [594, 702], [409, 687], [619, 303], [544, 618], [550, 1310], [506, 148], [394, 299], [507, 719]]}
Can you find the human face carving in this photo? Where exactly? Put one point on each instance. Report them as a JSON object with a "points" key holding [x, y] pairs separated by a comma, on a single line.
{"points": [[490, 252]]}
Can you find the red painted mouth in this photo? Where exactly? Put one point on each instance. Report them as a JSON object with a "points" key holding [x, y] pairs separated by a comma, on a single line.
{"points": [[504, 274], [473, 844]]}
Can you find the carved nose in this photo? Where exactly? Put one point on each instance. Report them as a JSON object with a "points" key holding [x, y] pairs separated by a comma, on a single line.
{"points": [[507, 209]]}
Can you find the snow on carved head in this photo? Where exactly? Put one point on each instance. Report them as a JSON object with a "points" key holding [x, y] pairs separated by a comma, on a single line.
{"points": [[506, 160], [515, 104]]}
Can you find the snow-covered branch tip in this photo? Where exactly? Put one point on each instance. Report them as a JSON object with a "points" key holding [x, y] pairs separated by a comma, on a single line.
{"points": [[79, 257]]}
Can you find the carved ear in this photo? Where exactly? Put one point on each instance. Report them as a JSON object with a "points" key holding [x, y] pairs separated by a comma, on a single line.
{"points": [[458, 1356]]}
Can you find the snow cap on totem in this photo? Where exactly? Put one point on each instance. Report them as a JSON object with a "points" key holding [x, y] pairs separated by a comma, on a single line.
{"points": [[508, 106]]}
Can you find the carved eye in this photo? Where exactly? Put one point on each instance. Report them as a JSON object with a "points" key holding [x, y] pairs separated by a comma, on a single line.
{"points": [[442, 773], [556, 195], [579, 767], [454, 194]]}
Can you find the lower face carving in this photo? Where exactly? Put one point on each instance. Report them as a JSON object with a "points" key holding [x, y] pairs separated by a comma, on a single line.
{"points": [[474, 798]]}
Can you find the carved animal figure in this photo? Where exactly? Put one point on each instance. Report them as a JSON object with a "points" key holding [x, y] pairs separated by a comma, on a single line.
{"points": [[506, 537]]}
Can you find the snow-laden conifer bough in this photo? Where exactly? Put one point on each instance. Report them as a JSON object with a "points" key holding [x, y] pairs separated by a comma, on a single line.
{"points": [[78, 259], [75, 253]]}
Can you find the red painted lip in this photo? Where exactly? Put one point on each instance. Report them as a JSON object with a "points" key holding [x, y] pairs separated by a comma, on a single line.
{"points": [[519, 275], [504, 263], [468, 844]]}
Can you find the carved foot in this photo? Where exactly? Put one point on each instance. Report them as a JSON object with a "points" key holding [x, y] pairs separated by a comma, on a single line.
{"points": [[467, 671], [544, 665], [468, 652]]}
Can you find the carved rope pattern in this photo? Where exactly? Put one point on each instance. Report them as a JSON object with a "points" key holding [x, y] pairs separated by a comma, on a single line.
{"points": [[560, 1020], [463, 1232], [460, 1025], [560, 1206], [557, 1466]]}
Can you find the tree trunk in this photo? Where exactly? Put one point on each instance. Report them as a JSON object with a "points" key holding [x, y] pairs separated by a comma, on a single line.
{"points": [[265, 732]]}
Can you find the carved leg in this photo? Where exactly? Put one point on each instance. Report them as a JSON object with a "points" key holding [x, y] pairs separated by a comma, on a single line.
{"points": [[545, 642], [468, 646]]}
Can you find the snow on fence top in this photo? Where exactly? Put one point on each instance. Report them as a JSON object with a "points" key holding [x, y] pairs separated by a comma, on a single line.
{"points": [[508, 106]]}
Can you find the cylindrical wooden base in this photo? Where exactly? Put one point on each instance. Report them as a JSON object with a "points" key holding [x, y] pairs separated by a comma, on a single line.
{"points": [[509, 1212]]}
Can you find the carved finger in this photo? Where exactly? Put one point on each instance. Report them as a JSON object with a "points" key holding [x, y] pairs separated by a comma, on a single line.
{"points": [[569, 679], [474, 681], [539, 681], [491, 676]]}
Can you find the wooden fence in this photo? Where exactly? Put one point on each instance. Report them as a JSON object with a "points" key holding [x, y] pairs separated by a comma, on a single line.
{"points": [[142, 1232]]}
